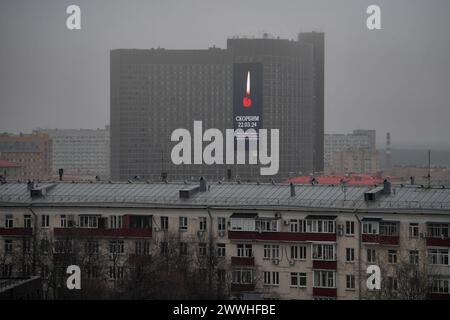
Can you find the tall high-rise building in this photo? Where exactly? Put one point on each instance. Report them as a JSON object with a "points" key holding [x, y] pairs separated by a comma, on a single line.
{"points": [[154, 92]]}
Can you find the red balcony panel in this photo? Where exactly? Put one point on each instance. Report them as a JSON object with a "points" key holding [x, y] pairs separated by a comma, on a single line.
{"points": [[126, 221], [328, 265], [325, 292], [242, 261], [97, 232], [139, 258], [16, 231], [438, 242], [440, 296], [375, 238], [237, 287], [280, 236]]}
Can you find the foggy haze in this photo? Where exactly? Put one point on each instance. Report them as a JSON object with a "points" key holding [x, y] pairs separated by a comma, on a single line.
{"points": [[393, 80]]}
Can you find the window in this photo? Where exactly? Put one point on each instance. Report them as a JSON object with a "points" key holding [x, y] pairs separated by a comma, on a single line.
{"points": [[221, 249], [45, 220], [221, 224], [437, 230], [7, 270], [202, 249], [271, 278], [389, 228], [350, 281], [297, 225], [116, 272], [183, 248], [202, 222], [441, 286], [413, 230], [350, 254], [116, 247], [115, 222], [371, 256], [320, 226], [9, 221], [243, 224], [324, 279], [63, 221], [91, 247], [8, 246], [140, 222], [88, 221], [242, 276], [298, 252], [183, 223], [26, 245], [370, 227], [438, 256], [349, 228], [298, 279], [244, 250], [392, 283], [164, 223], [164, 248], [221, 276], [267, 225], [271, 251], [323, 252], [293, 225], [63, 246], [27, 221], [142, 248], [45, 246], [392, 256], [414, 257]]}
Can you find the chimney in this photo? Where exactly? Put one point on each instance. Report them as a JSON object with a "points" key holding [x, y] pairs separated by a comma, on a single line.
{"points": [[292, 190], [386, 187], [203, 185], [61, 173], [412, 180]]}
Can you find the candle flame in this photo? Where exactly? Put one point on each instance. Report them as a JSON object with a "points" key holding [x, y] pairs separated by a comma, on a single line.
{"points": [[248, 83]]}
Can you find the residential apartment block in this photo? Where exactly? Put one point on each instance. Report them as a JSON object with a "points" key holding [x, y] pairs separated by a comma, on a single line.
{"points": [[270, 241]]}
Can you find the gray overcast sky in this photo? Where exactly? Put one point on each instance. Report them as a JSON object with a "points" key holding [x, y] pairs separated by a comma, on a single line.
{"points": [[396, 79]]}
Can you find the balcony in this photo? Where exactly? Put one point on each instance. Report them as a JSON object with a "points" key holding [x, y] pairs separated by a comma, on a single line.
{"points": [[242, 261], [439, 296], [381, 239], [103, 233], [16, 232], [240, 287], [325, 292], [438, 242], [326, 265], [281, 236]]}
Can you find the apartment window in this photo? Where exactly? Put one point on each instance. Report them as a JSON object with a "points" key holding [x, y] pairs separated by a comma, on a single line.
{"points": [[63, 221], [244, 250], [221, 276], [45, 220], [27, 221], [320, 226], [324, 279], [88, 221], [164, 248], [63, 246], [202, 222], [202, 249], [350, 254], [370, 227], [392, 283], [437, 230], [8, 246], [271, 251], [438, 256], [221, 247], [294, 225], [26, 245], [242, 276], [267, 225], [221, 224], [142, 248], [45, 246], [414, 257], [9, 221], [183, 248], [116, 273], [323, 252], [91, 247], [164, 222], [371, 255], [115, 222], [271, 278], [350, 281], [7, 270], [183, 223], [349, 228], [298, 252], [441, 286], [298, 279], [116, 247], [389, 228], [413, 230], [392, 256]]}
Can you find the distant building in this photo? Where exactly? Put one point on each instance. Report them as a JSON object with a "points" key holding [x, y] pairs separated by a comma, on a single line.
{"points": [[80, 152], [358, 161], [8, 170], [32, 152]]}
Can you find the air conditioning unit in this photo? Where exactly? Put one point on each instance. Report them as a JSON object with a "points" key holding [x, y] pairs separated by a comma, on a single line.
{"points": [[221, 233], [286, 222], [275, 261]]}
